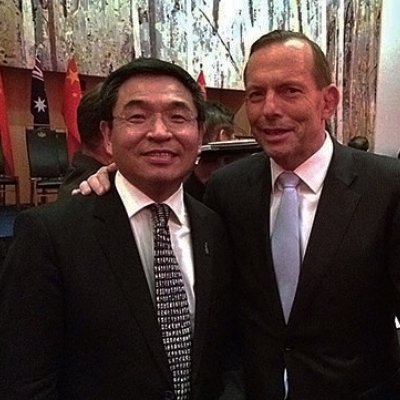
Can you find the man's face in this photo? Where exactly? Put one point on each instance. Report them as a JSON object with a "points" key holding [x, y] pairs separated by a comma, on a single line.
{"points": [[155, 137], [286, 110]]}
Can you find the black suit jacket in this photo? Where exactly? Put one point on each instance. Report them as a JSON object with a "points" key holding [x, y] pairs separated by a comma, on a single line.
{"points": [[76, 316], [194, 187], [340, 341], [82, 166]]}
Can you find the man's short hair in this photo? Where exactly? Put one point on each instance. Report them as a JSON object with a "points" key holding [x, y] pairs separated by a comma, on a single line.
{"points": [[147, 66], [217, 117], [89, 118], [359, 142], [322, 70]]}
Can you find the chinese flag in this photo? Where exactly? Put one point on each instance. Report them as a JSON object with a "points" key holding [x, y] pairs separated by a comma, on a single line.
{"points": [[72, 97], [5, 133], [201, 81]]}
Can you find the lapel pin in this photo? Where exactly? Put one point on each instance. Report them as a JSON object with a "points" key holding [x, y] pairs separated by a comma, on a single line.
{"points": [[206, 249]]}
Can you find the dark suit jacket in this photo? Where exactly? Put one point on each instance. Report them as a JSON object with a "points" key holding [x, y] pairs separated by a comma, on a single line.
{"points": [[194, 187], [82, 166], [76, 316], [340, 342]]}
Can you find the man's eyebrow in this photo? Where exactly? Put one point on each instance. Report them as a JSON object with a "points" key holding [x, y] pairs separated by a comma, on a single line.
{"points": [[254, 86], [180, 104], [296, 82], [134, 102], [169, 105], [284, 84]]}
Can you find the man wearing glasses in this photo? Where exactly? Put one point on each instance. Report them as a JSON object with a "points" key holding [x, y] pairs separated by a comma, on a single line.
{"points": [[122, 296]]}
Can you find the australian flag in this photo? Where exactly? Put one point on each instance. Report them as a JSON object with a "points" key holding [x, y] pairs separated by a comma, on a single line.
{"points": [[39, 105]]}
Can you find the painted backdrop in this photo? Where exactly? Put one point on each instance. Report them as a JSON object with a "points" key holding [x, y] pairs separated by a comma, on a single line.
{"points": [[217, 34]]}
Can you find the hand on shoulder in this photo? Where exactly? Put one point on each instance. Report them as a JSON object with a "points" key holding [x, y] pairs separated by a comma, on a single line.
{"points": [[98, 183]]}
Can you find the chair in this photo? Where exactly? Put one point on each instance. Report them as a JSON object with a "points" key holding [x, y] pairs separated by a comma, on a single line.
{"points": [[48, 161], [7, 181]]}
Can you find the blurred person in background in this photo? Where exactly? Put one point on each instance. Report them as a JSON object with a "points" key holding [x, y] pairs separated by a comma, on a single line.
{"points": [[92, 153], [359, 142], [218, 127]]}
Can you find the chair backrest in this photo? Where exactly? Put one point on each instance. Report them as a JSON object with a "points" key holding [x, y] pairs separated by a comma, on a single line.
{"points": [[62, 150], [47, 152]]}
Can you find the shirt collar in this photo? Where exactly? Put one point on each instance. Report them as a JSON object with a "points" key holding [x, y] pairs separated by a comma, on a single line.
{"points": [[134, 200], [312, 171]]}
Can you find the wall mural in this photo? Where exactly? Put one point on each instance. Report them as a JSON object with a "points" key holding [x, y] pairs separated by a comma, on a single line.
{"points": [[214, 34], [353, 36]]}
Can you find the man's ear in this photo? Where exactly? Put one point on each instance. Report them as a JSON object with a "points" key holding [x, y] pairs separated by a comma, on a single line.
{"points": [[106, 132], [331, 101], [202, 128]]}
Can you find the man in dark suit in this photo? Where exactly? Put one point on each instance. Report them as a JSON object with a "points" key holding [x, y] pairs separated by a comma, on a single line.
{"points": [[80, 312], [336, 339], [323, 330], [92, 153]]}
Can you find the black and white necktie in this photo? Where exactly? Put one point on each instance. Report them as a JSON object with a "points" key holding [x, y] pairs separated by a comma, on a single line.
{"points": [[172, 304]]}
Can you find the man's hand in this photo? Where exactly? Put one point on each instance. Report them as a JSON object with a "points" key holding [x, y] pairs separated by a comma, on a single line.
{"points": [[98, 183]]}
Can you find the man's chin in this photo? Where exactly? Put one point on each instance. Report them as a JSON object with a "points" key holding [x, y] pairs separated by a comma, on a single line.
{"points": [[280, 156]]}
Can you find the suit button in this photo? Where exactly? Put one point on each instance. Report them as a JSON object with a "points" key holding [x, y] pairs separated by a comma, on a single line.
{"points": [[288, 349], [168, 395]]}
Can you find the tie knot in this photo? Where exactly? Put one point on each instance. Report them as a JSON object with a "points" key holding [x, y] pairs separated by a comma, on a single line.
{"points": [[288, 180], [160, 213]]}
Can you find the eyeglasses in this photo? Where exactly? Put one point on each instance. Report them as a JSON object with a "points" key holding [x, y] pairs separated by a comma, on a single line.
{"points": [[176, 121]]}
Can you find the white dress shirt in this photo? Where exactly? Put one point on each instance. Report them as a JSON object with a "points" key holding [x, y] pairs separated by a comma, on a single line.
{"points": [[135, 203], [312, 174]]}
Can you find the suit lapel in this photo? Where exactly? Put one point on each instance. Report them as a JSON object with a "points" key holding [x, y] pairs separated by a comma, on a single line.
{"points": [[202, 242], [113, 231], [335, 209], [257, 219]]}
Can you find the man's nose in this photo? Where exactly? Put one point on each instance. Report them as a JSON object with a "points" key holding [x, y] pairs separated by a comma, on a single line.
{"points": [[271, 107], [159, 129]]}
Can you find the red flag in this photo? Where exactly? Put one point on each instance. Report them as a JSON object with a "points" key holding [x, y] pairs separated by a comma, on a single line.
{"points": [[201, 81], [72, 97], [5, 132]]}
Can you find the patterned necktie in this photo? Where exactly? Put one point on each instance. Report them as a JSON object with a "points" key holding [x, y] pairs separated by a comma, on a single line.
{"points": [[286, 242], [171, 304]]}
